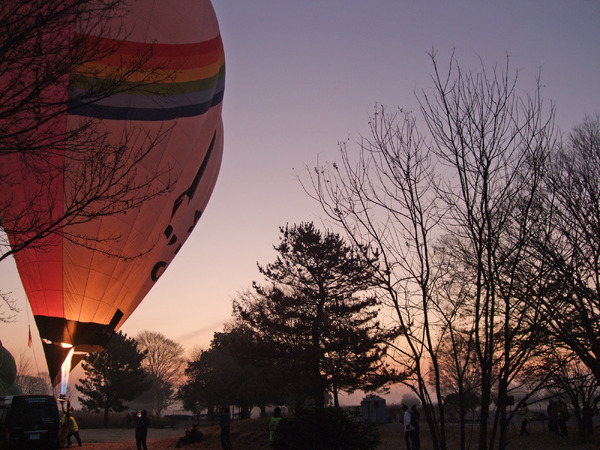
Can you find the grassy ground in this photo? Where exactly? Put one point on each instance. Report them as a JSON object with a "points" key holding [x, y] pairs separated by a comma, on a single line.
{"points": [[251, 435]]}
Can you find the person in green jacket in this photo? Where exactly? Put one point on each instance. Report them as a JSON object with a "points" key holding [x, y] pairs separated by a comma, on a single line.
{"points": [[73, 428], [274, 434]]}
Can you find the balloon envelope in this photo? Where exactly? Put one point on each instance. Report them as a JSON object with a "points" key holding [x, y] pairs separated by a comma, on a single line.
{"points": [[80, 295]]}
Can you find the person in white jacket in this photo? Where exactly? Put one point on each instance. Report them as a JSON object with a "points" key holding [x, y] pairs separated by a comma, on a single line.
{"points": [[408, 428]]}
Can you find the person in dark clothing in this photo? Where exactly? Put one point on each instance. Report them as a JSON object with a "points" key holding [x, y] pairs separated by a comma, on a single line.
{"points": [[563, 417], [191, 435], [553, 417], [225, 423], [414, 418], [141, 430]]}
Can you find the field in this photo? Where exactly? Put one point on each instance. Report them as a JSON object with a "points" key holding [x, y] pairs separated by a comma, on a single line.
{"points": [[251, 434]]}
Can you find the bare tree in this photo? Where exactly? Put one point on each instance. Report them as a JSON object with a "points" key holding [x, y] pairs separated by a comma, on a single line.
{"points": [[164, 361], [569, 248], [385, 199], [489, 145], [28, 380], [495, 144], [8, 307], [571, 377], [460, 375]]}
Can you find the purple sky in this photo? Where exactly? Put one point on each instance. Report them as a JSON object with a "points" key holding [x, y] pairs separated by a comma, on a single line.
{"points": [[304, 74]]}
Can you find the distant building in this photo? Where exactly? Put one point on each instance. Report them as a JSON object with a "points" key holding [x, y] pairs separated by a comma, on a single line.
{"points": [[372, 410]]}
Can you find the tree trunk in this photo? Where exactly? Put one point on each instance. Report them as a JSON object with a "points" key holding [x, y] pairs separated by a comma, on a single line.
{"points": [[484, 416]]}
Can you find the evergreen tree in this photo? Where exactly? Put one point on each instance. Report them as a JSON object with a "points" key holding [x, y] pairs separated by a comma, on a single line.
{"points": [[113, 376], [225, 374], [208, 382], [317, 317]]}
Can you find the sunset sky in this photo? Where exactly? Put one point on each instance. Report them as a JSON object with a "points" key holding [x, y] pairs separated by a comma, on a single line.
{"points": [[305, 74]]}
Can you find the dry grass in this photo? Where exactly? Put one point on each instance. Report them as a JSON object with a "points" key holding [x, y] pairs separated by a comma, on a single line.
{"points": [[251, 435]]}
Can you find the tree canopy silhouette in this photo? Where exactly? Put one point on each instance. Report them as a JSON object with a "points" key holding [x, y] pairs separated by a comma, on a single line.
{"points": [[113, 376], [318, 315]]}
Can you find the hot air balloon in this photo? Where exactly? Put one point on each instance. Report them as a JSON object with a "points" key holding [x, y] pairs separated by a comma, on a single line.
{"points": [[8, 373], [81, 294]]}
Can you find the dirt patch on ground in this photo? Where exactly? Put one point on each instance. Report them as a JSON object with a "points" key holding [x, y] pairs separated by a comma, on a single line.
{"points": [[251, 434], [100, 435], [245, 435]]}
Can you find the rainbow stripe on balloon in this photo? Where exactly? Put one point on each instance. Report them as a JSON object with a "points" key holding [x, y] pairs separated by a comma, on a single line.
{"points": [[149, 82]]}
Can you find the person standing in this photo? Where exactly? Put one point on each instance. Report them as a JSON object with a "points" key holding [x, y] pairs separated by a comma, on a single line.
{"points": [[225, 422], [141, 430], [553, 417], [73, 428], [408, 428], [414, 420], [274, 435], [64, 426], [563, 417]]}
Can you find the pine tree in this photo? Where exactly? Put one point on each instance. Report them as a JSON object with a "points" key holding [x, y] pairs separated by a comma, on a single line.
{"points": [[319, 314], [113, 376]]}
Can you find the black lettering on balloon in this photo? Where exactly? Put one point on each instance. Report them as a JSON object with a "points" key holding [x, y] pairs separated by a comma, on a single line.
{"points": [[159, 265], [189, 193], [177, 204], [192, 190], [197, 216]]}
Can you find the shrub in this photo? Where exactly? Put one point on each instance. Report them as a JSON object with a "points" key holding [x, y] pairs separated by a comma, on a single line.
{"points": [[327, 429]]}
